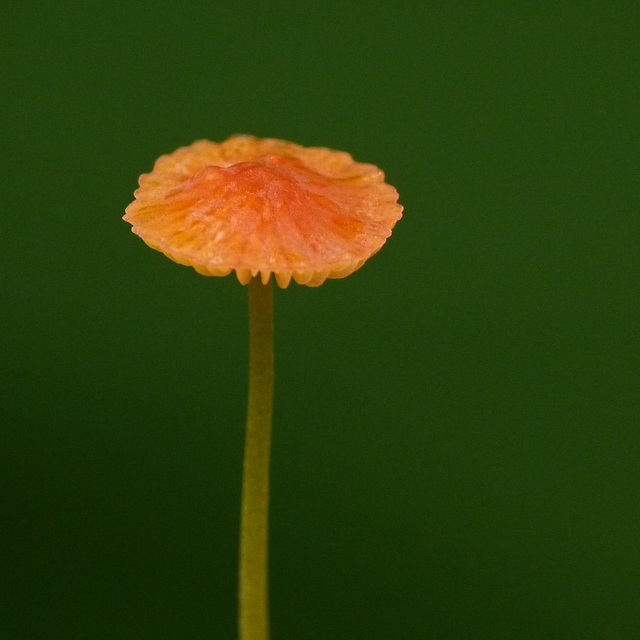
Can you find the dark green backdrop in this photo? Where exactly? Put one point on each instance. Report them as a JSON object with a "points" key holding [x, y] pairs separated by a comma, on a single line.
{"points": [[456, 444]]}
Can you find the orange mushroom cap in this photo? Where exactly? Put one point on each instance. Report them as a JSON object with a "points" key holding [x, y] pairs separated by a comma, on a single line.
{"points": [[263, 206]]}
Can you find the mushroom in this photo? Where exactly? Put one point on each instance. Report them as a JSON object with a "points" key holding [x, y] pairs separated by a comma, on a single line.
{"points": [[260, 207]]}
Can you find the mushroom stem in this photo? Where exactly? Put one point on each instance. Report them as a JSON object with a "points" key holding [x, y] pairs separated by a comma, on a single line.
{"points": [[253, 587]]}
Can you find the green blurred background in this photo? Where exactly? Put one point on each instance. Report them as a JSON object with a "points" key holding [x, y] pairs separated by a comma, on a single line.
{"points": [[456, 444]]}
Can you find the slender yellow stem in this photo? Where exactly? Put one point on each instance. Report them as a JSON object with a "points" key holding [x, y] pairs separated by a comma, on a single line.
{"points": [[253, 611]]}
